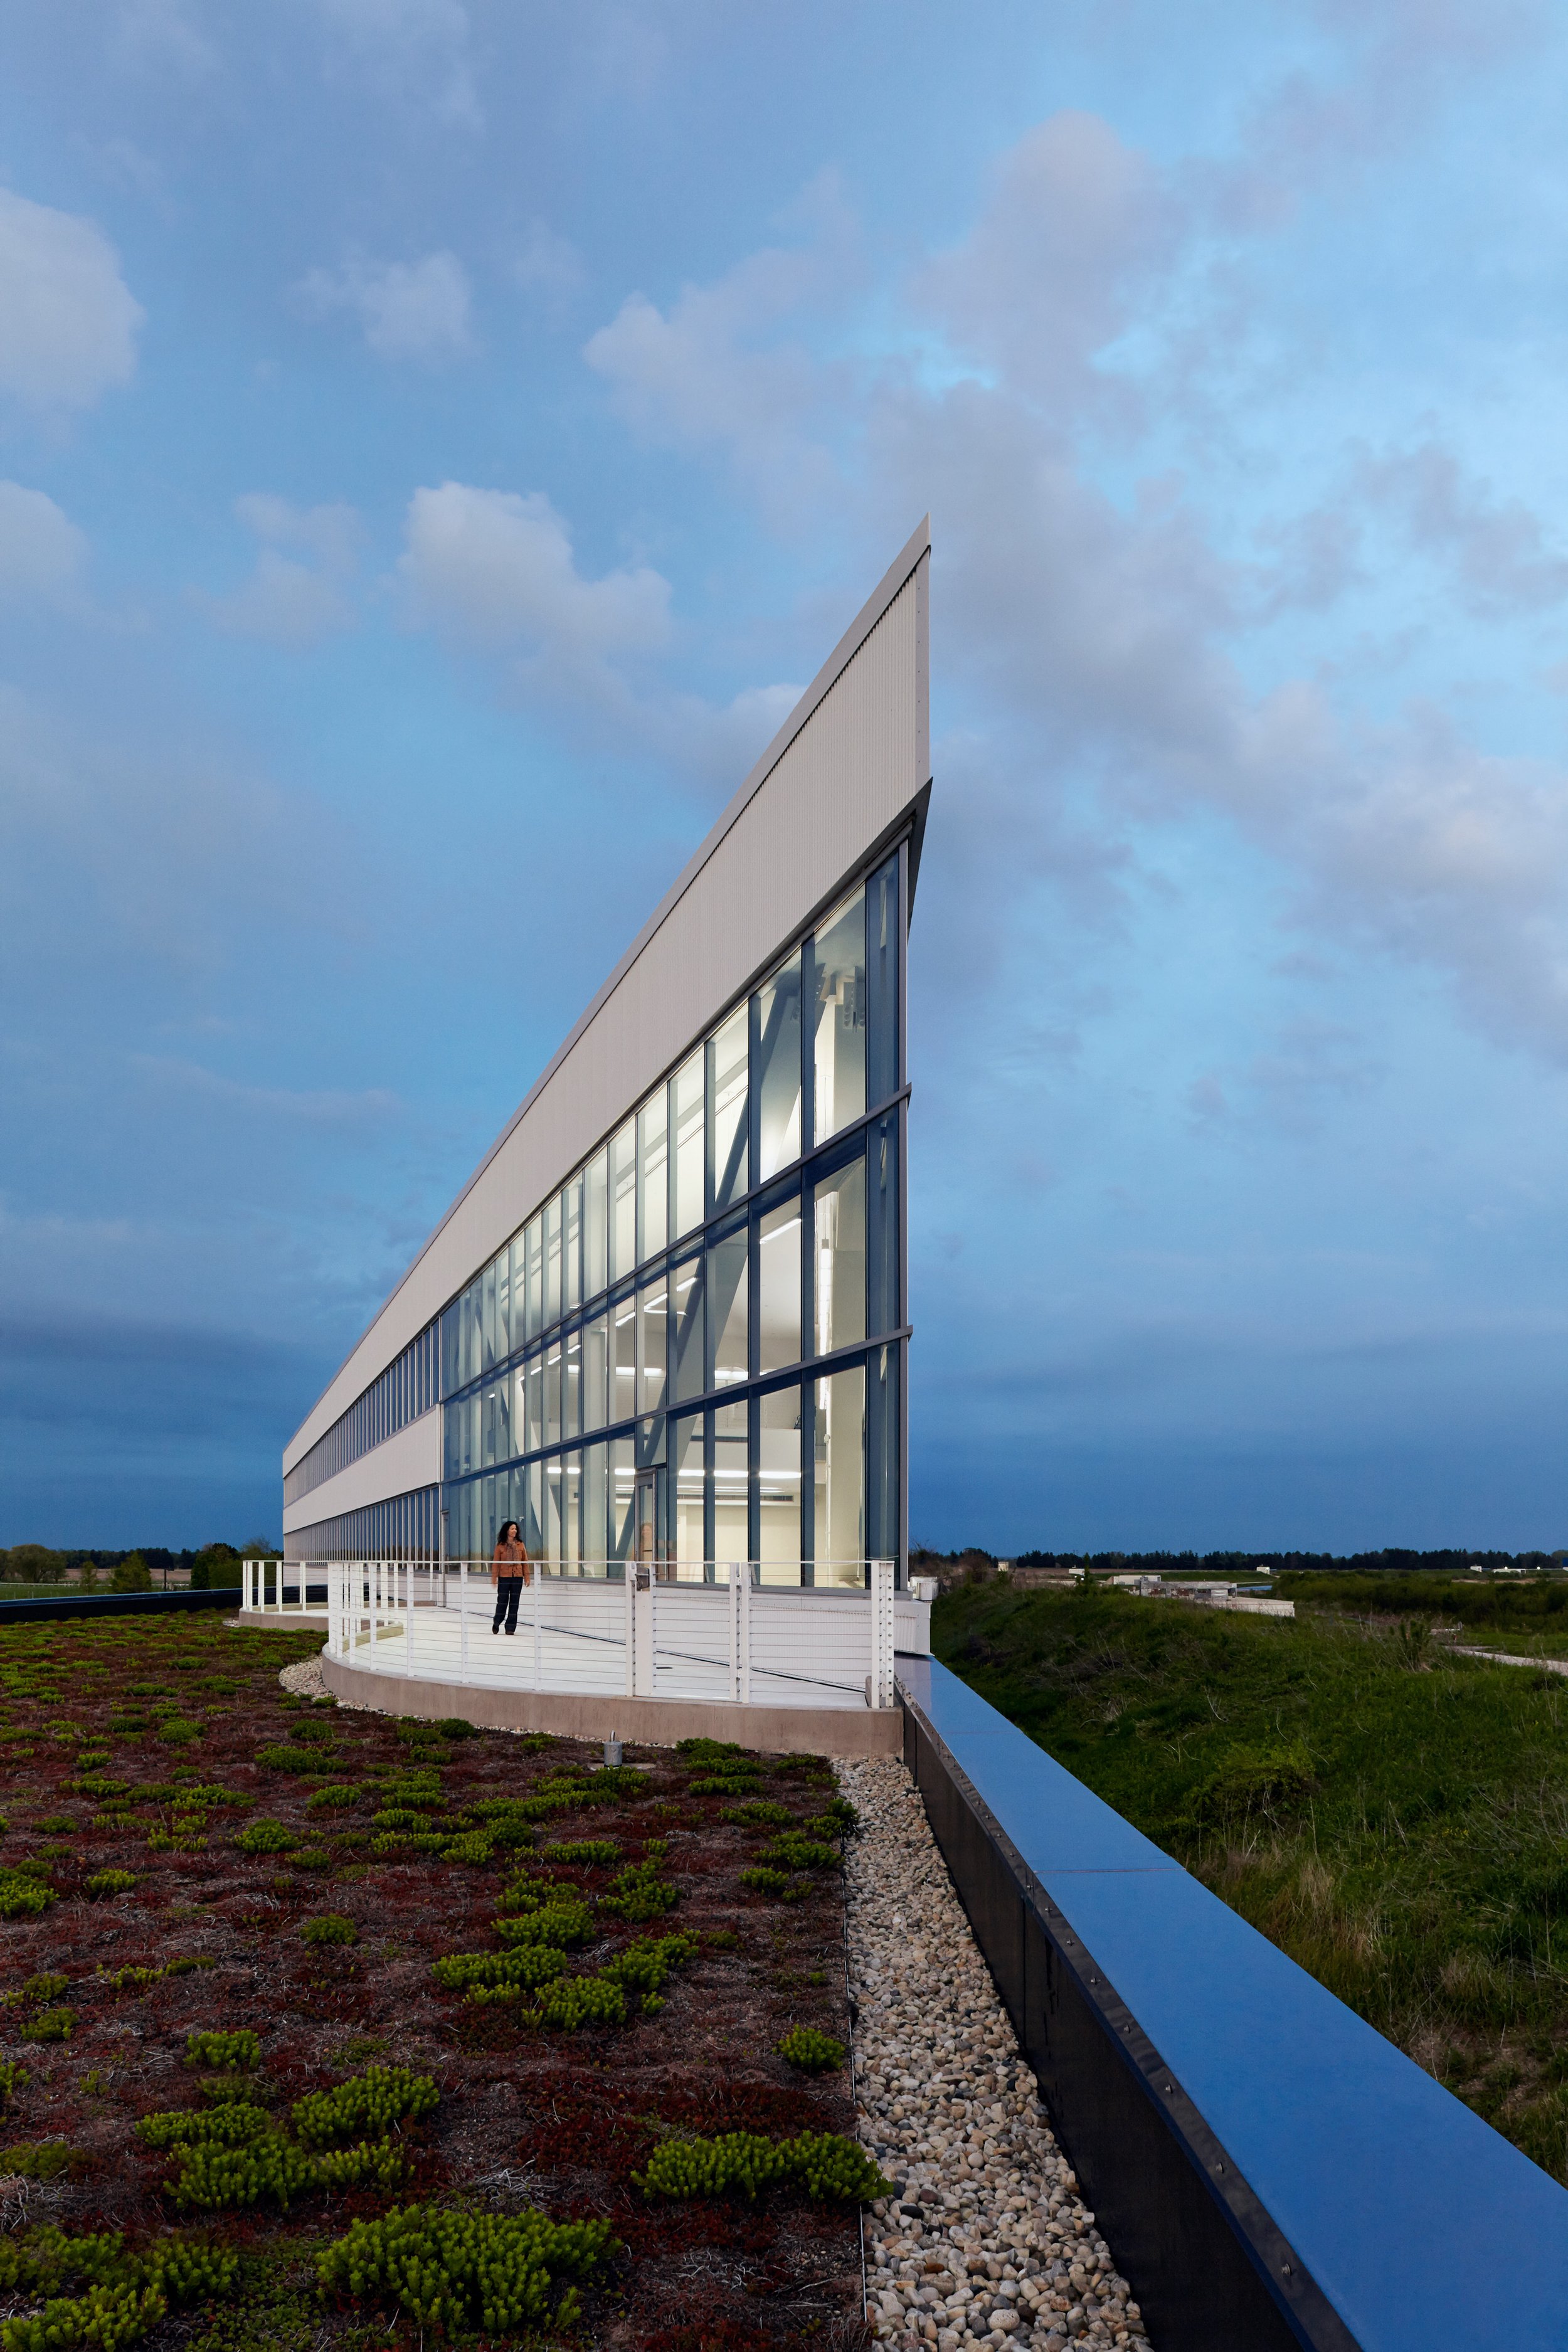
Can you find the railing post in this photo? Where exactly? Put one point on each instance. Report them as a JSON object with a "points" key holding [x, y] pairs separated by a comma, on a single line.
{"points": [[881, 1682], [745, 1693], [630, 1589], [538, 1626], [735, 1570], [462, 1613]]}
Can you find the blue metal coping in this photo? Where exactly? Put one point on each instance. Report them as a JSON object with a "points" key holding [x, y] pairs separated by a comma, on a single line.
{"points": [[117, 1604], [1422, 2225]]}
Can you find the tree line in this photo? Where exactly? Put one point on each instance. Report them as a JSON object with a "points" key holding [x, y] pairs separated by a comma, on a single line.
{"points": [[212, 1569]]}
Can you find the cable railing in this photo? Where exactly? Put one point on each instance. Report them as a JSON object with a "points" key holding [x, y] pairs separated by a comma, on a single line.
{"points": [[646, 1630]]}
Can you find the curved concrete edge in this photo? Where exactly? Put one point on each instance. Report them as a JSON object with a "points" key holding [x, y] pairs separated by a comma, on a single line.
{"points": [[657, 1722], [290, 1621]]}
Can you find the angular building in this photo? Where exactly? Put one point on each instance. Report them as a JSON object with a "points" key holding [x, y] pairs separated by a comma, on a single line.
{"points": [[664, 1321]]}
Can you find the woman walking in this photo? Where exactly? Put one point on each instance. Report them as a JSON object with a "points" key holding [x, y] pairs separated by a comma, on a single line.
{"points": [[510, 1569]]}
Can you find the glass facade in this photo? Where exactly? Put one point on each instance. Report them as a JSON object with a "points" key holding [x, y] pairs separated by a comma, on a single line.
{"points": [[406, 1389], [690, 1354]]}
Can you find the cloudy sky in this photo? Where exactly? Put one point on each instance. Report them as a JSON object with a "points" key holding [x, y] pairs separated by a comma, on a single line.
{"points": [[436, 442]]}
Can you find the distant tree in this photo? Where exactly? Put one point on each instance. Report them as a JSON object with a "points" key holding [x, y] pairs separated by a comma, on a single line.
{"points": [[214, 1568], [87, 1574], [31, 1563], [132, 1575]]}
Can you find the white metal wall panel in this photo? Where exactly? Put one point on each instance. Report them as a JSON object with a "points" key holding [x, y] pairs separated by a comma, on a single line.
{"points": [[845, 766], [409, 1458]]}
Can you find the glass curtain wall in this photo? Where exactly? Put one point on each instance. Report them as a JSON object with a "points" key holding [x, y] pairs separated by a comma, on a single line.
{"points": [[693, 1352]]}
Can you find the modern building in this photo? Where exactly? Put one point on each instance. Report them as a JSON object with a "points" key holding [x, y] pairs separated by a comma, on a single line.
{"points": [[665, 1318]]}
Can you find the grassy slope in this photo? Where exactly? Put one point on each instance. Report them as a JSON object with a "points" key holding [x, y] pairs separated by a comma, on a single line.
{"points": [[1399, 1826]]}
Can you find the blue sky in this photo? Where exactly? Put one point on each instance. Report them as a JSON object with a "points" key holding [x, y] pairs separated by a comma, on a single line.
{"points": [[435, 441]]}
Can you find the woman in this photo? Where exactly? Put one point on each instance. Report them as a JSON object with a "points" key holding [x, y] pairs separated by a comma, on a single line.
{"points": [[509, 1571]]}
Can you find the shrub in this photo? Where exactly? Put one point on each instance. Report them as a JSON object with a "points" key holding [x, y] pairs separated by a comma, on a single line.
{"points": [[126, 2293], [643, 1966], [813, 2053], [792, 1851], [761, 1880], [336, 1798], [11, 2079], [459, 1971], [823, 2163], [50, 2025], [560, 1923], [47, 1987], [215, 2178], [236, 2123], [265, 1837], [584, 1850], [104, 2317], [132, 1575], [573, 2001], [308, 1857], [280, 1756], [231, 2053], [464, 2273], [760, 1814], [96, 1784], [397, 1817], [22, 1896], [52, 1824], [331, 1927], [375, 2101], [45, 2159], [456, 1727], [638, 1891], [835, 1820], [109, 1881], [373, 2164], [475, 1846], [729, 1784]]}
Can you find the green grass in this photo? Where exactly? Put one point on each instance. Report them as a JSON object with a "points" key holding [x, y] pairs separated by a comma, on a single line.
{"points": [[1394, 1819]]}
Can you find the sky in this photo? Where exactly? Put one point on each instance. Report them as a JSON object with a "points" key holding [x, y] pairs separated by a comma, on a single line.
{"points": [[438, 440]]}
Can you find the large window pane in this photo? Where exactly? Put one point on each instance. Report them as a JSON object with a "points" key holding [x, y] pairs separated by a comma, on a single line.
{"points": [[778, 1487], [728, 1302], [839, 1512], [487, 1289], [534, 1425], [552, 1370], [518, 1294], [593, 1509], [624, 1201], [596, 1225], [686, 1365], [838, 965], [778, 1286], [882, 1236], [571, 1247], [503, 1305], [840, 1257], [550, 1534], [882, 984], [687, 1492], [778, 1071], [688, 1097], [728, 1106], [732, 1484], [621, 1371], [595, 1364], [552, 1262], [533, 1523], [571, 1515], [622, 1495], [653, 1344], [653, 1175], [533, 1245], [572, 1386]]}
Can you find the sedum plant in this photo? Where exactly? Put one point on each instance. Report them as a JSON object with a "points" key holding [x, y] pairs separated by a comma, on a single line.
{"points": [[462, 2274], [822, 2163], [813, 2053], [369, 2103]]}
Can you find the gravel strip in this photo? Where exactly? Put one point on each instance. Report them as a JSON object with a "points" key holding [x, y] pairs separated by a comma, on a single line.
{"points": [[305, 1679], [989, 2242]]}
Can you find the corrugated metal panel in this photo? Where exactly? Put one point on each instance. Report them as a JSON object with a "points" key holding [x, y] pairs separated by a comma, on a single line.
{"points": [[804, 820]]}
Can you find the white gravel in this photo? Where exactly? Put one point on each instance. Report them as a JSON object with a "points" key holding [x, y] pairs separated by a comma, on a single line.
{"points": [[1004, 2250], [305, 1679]]}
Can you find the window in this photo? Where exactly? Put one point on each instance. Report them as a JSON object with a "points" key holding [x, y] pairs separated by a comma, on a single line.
{"points": [[778, 1071], [594, 1494], [553, 1368], [596, 1355], [728, 1106], [689, 1100], [572, 1387], [728, 1306], [572, 1515], [624, 1202], [653, 1177], [533, 1245], [653, 1327], [595, 1212], [686, 1366], [838, 966], [687, 1485], [778, 1286], [731, 1484], [534, 1425], [621, 1497], [571, 1247], [882, 984], [839, 1500], [622, 1368], [552, 1262], [840, 1257], [778, 1487]]}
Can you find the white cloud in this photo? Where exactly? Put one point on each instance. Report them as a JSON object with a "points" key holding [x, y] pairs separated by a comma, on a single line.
{"points": [[498, 570], [408, 310], [70, 322], [423, 45], [306, 1107], [286, 601], [42, 552]]}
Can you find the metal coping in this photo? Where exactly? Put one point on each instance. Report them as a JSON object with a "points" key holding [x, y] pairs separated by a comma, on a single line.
{"points": [[117, 1604], [1356, 2190]]}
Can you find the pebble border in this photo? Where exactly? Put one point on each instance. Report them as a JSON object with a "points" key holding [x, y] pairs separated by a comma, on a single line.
{"points": [[986, 2241]]}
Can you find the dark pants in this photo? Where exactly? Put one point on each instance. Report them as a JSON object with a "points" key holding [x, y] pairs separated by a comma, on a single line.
{"points": [[509, 1591]]}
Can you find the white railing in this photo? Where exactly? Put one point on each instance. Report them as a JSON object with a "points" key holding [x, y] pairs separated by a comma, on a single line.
{"points": [[734, 1640], [282, 1588]]}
